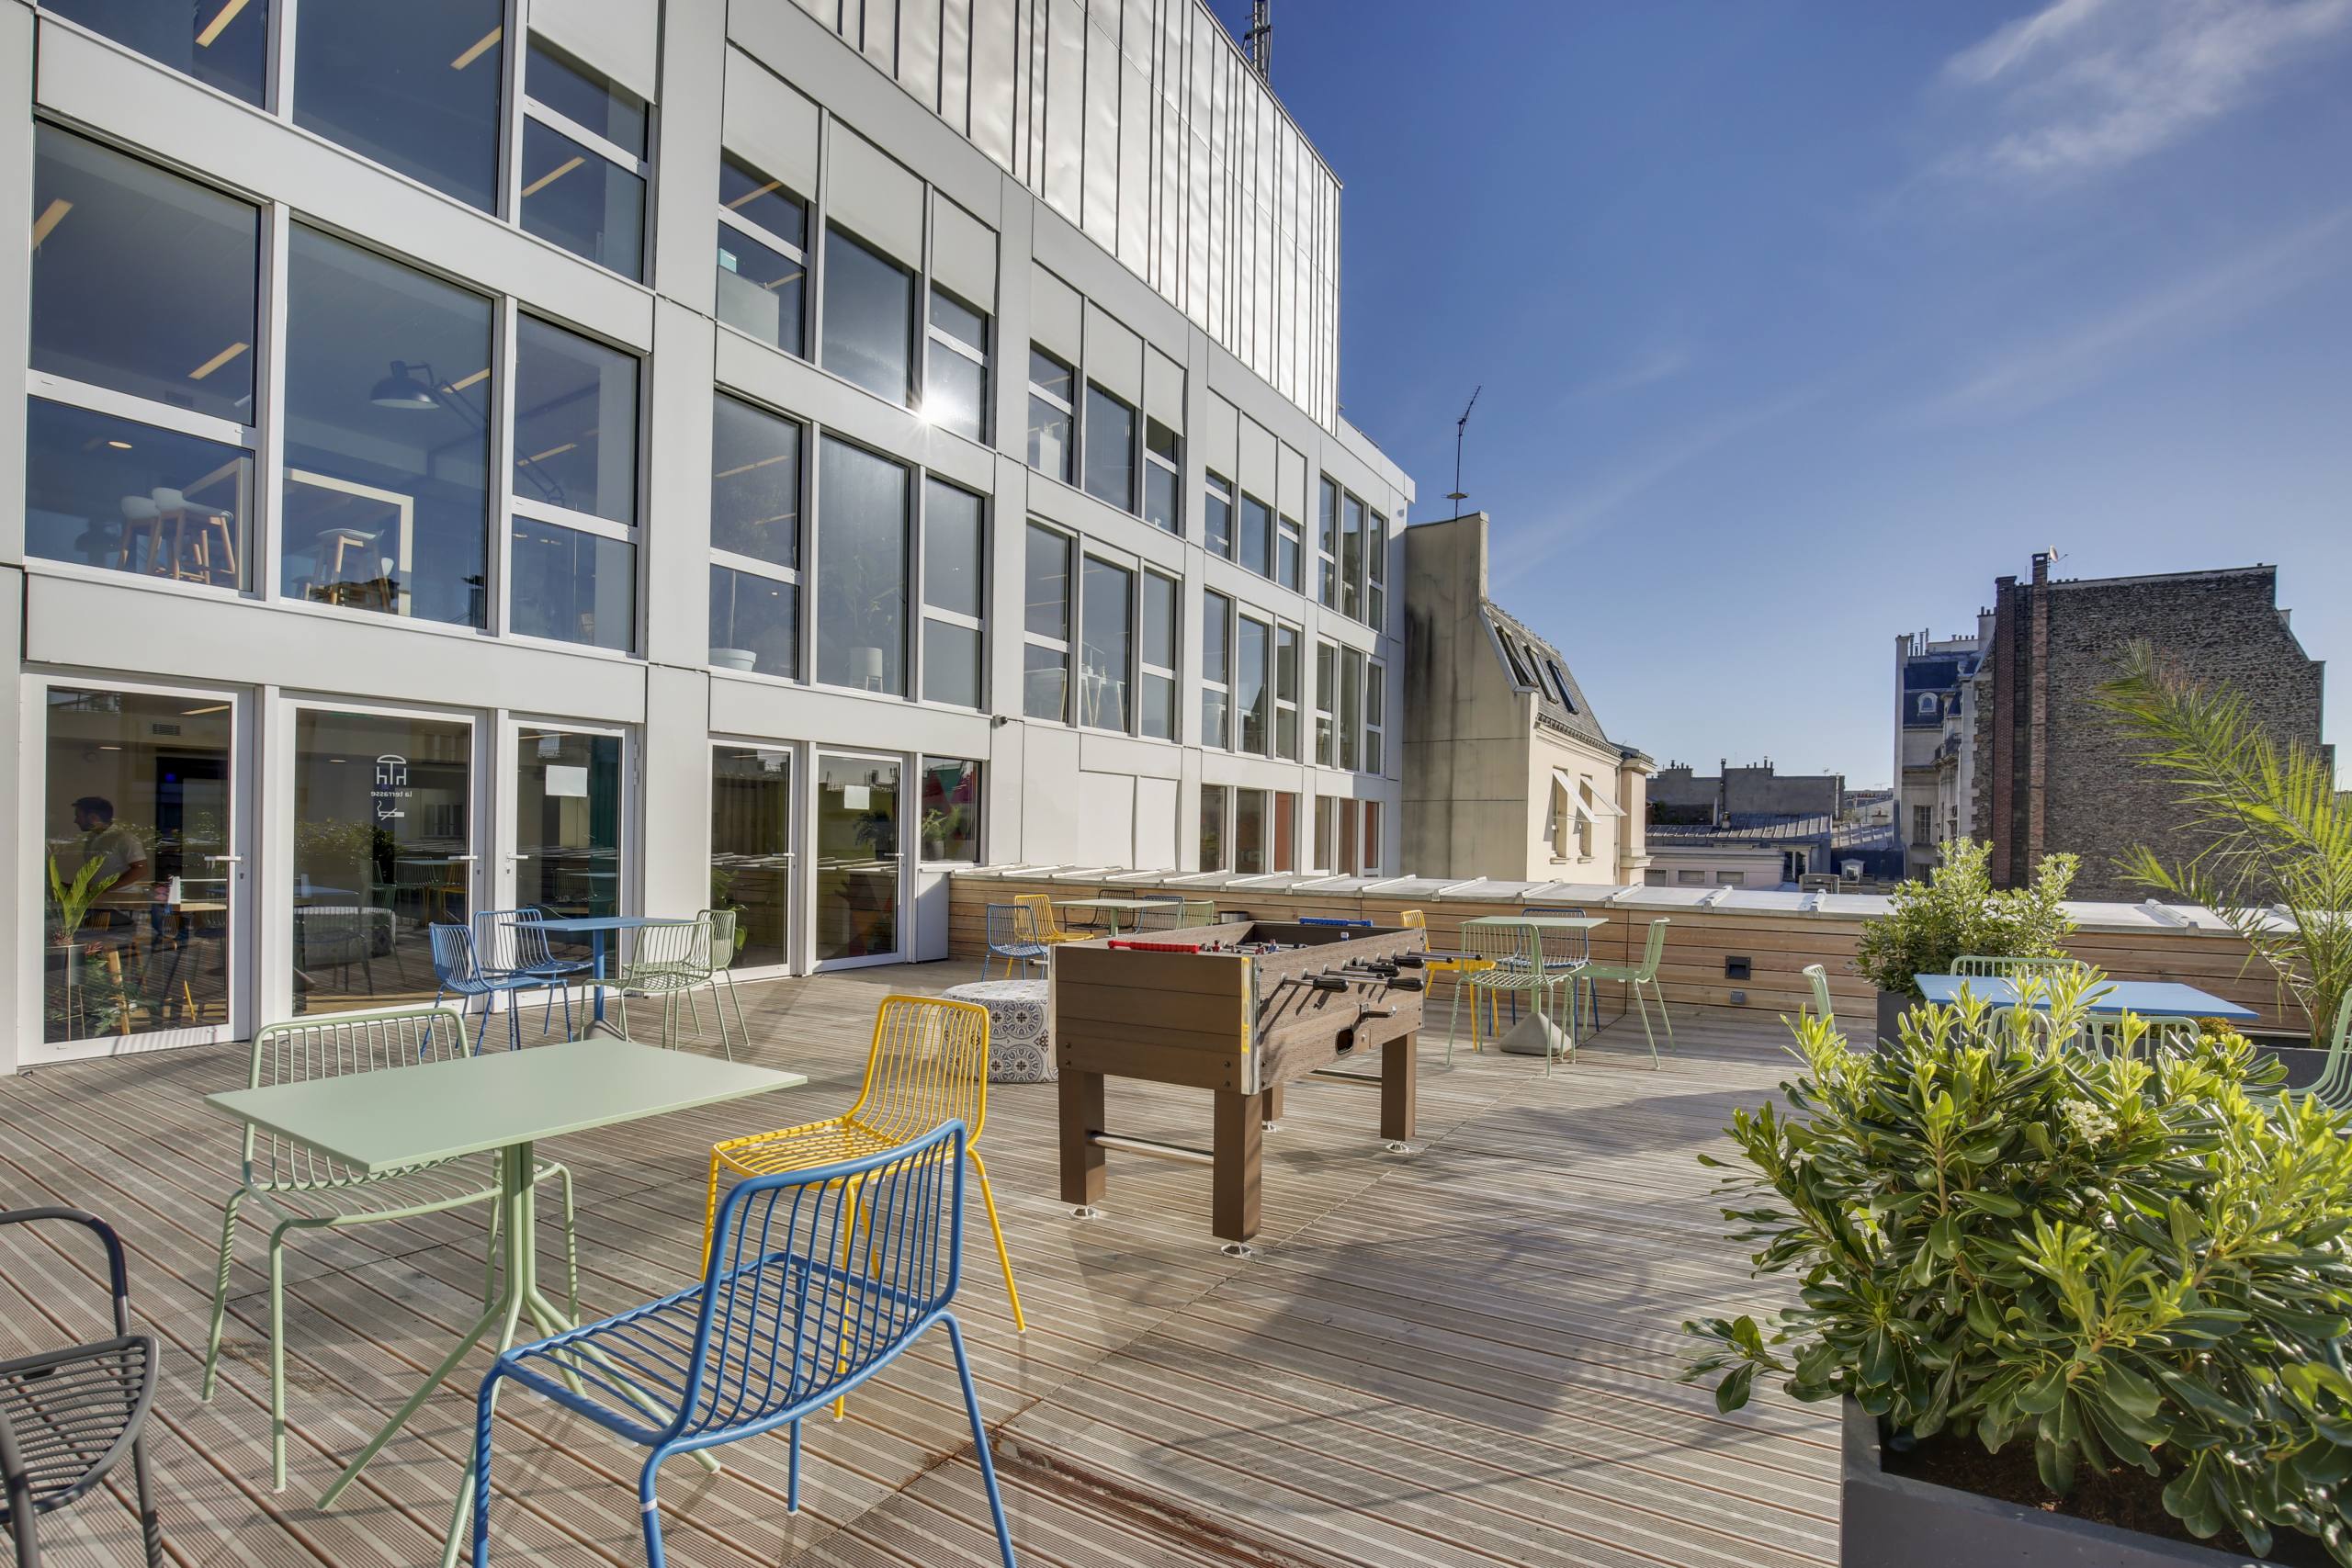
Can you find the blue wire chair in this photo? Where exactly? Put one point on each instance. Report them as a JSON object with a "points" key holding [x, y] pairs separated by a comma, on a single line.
{"points": [[457, 969], [1012, 936], [512, 942], [818, 1279], [1329, 920]]}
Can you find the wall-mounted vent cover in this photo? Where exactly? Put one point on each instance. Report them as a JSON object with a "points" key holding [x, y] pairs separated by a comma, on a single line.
{"points": [[1739, 969]]}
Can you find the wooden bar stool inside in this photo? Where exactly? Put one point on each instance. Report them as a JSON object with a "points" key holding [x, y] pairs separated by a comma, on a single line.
{"points": [[192, 555]]}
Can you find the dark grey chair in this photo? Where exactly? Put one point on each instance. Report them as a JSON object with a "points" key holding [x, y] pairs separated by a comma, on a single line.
{"points": [[68, 1416]]}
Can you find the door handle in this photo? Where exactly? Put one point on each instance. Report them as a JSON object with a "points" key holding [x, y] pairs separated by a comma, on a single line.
{"points": [[516, 854], [223, 859]]}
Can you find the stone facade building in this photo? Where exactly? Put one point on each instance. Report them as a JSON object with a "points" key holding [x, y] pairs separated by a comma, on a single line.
{"points": [[1751, 795], [2051, 773], [1931, 687]]}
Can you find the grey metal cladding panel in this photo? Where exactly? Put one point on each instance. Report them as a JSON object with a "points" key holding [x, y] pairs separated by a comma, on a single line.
{"points": [[881, 35], [768, 124], [955, 67], [619, 37], [1134, 169], [919, 50], [1101, 224], [1065, 109], [996, 52]]}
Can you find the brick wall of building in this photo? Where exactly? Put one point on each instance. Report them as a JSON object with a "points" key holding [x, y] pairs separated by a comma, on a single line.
{"points": [[2081, 785]]}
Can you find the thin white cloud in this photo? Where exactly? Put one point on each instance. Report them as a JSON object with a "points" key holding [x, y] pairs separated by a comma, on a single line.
{"points": [[1660, 363], [2082, 87], [2029, 374]]}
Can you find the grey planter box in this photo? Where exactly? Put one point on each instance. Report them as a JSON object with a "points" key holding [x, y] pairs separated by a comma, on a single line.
{"points": [[1894, 1521], [1892, 1006]]}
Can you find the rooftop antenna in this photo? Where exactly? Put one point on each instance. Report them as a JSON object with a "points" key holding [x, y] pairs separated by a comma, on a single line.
{"points": [[1260, 39], [1458, 494]]}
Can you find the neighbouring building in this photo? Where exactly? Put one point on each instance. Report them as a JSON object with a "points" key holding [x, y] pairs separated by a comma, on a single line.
{"points": [[1932, 679], [1508, 772], [1754, 796], [2051, 773], [618, 454]]}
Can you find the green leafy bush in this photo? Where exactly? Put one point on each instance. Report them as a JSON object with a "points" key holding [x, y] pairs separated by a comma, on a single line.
{"points": [[2111, 1257], [1958, 911]]}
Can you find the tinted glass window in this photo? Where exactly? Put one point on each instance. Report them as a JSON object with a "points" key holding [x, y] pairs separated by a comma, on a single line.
{"points": [[1251, 696], [869, 318], [1047, 585], [951, 548], [760, 290], [575, 422], [572, 586], [951, 663], [414, 86], [387, 392], [861, 569], [586, 98], [755, 199], [1044, 680], [111, 306], [1108, 614], [1110, 449], [755, 483], [1257, 532], [754, 623], [222, 43], [952, 391], [110, 492], [581, 200]]}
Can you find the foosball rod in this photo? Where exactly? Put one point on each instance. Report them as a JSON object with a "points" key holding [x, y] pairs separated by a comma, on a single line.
{"points": [[1183, 1154]]}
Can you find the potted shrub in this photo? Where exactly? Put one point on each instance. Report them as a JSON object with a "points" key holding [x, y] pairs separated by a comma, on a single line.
{"points": [[1958, 910], [934, 834], [75, 1004], [2080, 1308]]}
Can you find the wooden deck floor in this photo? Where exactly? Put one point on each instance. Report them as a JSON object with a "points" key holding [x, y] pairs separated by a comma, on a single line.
{"points": [[1462, 1356]]}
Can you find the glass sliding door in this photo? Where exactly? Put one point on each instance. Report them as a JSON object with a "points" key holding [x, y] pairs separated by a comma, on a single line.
{"points": [[383, 848], [141, 882], [751, 849], [567, 845], [858, 891]]}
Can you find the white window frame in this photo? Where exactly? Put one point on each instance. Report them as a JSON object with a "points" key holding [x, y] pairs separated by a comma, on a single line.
{"points": [[1093, 554], [1372, 817], [1226, 741], [1074, 451], [929, 612], [1375, 567], [1217, 487], [1144, 667], [1287, 533], [934, 333], [1327, 707], [729, 218], [1224, 829], [1256, 617], [1174, 470], [1073, 557], [1132, 506], [1373, 746], [529, 107], [509, 329], [803, 653], [1287, 705], [1327, 546]]}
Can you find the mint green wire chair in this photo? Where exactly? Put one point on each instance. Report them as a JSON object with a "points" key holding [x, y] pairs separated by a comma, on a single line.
{"points": [[1976, 966], [1509, 958], [309, 1191], [669, 960], [1636, 976], [1199, 912], [724, 924], [1819, 978], [2333, 1088]]}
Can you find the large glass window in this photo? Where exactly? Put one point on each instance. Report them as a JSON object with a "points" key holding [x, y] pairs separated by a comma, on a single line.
{"points": [[1044, 660], [951, 810], [1286, 552], [1106, 609], [1052, 391], [1217, 528], [1327, 693], [1327, 548], [1216, 668], [1351, 711], [1352, 557], [1257, 536], [1286, 693], [1249, 832], [584, 162], [861, 568], [1285, 832], [1156, 693], [1213, 811], [869, 318], [1110, 434], [572, 586], [750, 849], [387, 389], [222, 43], [110, 492], [383, 848], [954, 548], [763, 256], [568, 821], [1163, 470], [414, 86], [1376, 559], [572, 567], [754, 623], [1375, 707], [955, 376], [755, 483], [1252, 696], [137, 823]]}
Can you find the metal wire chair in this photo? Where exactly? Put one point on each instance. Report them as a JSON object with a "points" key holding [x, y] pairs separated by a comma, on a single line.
{"points": [[668, 961], [1012, 936], [69, 1414], [515, 941], [1639, 978], [1199, 912], [1507, 958], [1162, 915], [1049, 927], [2333, 1087], [928, 1064], [1976, 966], [1573, 949], [1330, 920], [820, 1278], [1819, 978], [725, 926], [308, 1191], [457, 970]]}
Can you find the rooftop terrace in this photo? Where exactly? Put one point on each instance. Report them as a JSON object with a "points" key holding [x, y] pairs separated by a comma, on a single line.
{"points": [[1466, 1355]]}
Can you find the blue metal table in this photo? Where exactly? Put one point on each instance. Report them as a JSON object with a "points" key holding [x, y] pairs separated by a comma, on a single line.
{"points": [[595, 927], [2149, 999]]}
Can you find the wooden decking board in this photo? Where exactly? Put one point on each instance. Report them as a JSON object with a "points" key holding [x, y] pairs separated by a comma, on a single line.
{"points": [[1466, 1355]]}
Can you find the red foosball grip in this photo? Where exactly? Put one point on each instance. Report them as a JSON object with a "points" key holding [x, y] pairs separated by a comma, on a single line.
{"points": [[1152, 946]]}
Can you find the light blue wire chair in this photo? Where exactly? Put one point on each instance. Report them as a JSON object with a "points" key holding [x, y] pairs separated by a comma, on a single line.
{"points": [[818, 1279], [1330, 920], [457, 971], [515, 941], [1162, 915], [2333, 1087], [1013, 937]]}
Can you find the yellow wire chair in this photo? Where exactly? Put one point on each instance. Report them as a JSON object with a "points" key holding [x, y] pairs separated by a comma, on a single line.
{"points": [[1049, 926], [928, 1064], [1414, 920]]}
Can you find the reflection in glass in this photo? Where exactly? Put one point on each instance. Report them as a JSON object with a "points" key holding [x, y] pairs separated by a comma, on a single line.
{"points": [[755, 199], [951, 663], [1162, 471], [1352, 557], [1110, 449], [1106, 615], [568, 822], [585, 98], [1216, 631], [1286, 693], [755, 483], [861, 569], [754, 623], [1213, 827], [1045, 682], [951, 810], [951, 548], [111, 306], [1287, 554], [581, 200], [1249, 831], [136, 819], [387, 436], [760, 290], [110, 492], [382, 828], [1350, 715], [1257, 532], [572, 586], [575, 422], [1156, 695], [221, 44], [954, 393], [857, 871], [1217, 527], [1050, 393], [869, 318], [414, 86], [750, 849], [1252, 698], [1048, 589]]}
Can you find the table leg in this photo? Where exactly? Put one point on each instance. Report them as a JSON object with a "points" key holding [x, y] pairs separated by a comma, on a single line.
{"points": [[1083, 1176], [1272, 1098], [1397, 1080], [598, 955], [1238, 1150]]}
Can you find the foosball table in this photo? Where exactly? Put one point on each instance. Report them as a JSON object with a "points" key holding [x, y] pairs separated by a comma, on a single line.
{"points": [[1241, 1010]]}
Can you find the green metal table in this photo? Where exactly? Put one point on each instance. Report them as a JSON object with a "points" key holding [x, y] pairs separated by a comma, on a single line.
{"points": [[506, 1101], [1114, 908]]}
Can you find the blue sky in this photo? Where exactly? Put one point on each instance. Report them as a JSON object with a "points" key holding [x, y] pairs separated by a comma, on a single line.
{"points": [[1799, 323]]}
